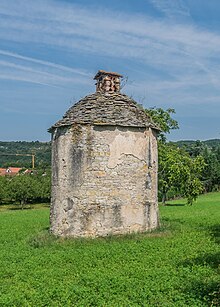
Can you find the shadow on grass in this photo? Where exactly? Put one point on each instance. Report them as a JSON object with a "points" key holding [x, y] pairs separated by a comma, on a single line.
{"points": [[175, 205], [43, 239], [19, 208], [15, 207], [212, 260], [215, 233], [174, 224], [209, 292]]}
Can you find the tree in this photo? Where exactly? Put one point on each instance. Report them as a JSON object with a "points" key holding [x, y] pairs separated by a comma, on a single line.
{"points": [[196, 148], [163, 118], [32, 188], [177, 170], [210, 151], [211, 173], [193, 186], [43, 185], [22, 188], [3, 188], [217, 153]]}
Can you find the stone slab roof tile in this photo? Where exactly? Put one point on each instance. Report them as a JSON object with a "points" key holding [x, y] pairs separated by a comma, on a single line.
{"points": [[100, 109]]}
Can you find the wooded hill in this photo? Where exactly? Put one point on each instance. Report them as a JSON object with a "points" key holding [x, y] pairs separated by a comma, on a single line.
{"points": [[210, 143], [42, 151]]}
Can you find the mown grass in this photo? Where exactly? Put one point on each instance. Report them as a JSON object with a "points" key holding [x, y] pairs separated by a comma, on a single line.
{"points": [[177, 265]]}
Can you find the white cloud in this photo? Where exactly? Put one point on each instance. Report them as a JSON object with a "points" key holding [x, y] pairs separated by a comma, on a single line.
{"points": [[185, 54], [44, 63], [44, 73], [172, 8], [120, 35]]}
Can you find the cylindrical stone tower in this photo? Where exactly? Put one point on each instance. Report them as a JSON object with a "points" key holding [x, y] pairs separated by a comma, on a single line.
{"points": [[104, 165]]}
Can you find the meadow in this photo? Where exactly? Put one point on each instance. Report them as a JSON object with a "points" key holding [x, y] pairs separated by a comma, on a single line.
{"points": [[177, 265]]}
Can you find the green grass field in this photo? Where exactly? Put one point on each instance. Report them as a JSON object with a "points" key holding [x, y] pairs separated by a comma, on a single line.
{"points": [[177, 265]]}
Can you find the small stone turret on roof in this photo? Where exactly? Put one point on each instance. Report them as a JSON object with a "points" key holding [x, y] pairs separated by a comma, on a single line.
{"points": [[107, 82]]}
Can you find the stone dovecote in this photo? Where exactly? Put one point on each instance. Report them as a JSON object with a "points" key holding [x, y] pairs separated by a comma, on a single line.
{"points": [[104, 165]]}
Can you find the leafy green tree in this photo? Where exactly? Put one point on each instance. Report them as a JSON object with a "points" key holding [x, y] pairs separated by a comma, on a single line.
{"points": [[46, 188], [177, 170], [43, 185], [217, 153], [210, 151], [30, 188], [193, 186], [3, 188], [196, 148], [164, 120], [22, 188], [211, 173]]}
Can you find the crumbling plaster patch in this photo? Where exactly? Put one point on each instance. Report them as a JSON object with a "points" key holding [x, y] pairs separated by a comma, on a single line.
{"points": [[127, 143]]}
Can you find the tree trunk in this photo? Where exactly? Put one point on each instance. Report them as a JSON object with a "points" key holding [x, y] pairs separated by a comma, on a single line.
{"points": [[164, 198], [22, 204]]}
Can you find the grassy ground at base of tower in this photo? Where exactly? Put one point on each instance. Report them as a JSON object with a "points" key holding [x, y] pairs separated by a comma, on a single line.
{"points": [[177, 265]]}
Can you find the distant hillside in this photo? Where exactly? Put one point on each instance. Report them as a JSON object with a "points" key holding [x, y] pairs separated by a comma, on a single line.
{"points": [[187, 143], [213, 142], [41, 150]]}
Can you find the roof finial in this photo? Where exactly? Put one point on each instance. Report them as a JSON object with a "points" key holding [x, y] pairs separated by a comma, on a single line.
{"points": [[107, 82]]}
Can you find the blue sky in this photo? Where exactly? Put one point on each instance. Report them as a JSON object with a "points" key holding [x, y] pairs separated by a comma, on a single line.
{"points": [[51, 49]]}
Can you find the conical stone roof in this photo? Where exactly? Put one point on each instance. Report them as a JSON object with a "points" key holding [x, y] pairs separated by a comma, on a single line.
{"points": [[113, 109]]}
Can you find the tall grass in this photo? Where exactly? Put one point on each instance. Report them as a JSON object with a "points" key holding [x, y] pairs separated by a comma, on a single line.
{"points": [[177, 265]]}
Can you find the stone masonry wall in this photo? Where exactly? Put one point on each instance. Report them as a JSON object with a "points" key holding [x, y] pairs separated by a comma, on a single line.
{"points": [[104, 180]]}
